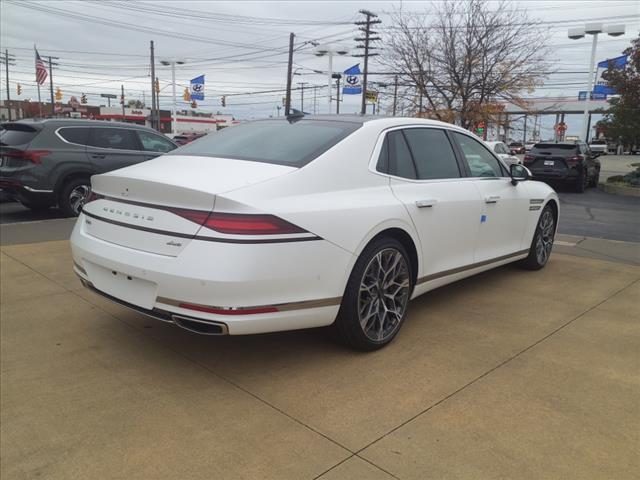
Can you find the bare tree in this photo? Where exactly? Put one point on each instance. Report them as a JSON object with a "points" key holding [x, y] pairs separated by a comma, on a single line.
{"points": [[463, 56]]}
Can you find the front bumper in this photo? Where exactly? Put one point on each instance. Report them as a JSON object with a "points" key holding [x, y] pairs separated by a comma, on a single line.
{"points": [[244, 288]]}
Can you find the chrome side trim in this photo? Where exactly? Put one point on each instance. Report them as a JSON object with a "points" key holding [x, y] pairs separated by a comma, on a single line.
{"points": [[34, 190], [445, 273], [281, 307], [80, 269]]}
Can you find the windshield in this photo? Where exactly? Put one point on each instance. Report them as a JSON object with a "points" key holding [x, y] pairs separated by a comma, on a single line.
{"points": [[272, 141]]}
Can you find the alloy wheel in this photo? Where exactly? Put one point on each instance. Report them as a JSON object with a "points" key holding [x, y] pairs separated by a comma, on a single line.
{"points": [[78, 196], [544, 242], [384, 294]]}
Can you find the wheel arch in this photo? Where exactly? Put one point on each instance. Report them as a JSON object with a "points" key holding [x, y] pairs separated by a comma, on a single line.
{"points": [[64, 179]]}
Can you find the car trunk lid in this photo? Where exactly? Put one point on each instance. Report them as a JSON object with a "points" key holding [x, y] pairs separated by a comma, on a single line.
{"points": [[159, 206]]}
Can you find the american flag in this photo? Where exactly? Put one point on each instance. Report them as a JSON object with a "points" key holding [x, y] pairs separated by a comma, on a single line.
{"points": [[41, 71]]}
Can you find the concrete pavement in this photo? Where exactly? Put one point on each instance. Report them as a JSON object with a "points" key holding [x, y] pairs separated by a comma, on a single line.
{"points": [[510, 374]]}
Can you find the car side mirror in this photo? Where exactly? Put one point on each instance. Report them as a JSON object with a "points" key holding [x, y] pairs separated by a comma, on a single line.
{"points": [[519, 173]]}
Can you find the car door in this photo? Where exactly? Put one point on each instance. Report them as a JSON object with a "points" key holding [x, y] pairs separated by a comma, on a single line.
{"points": [[426, 177], [111, 148], [505, 207]]}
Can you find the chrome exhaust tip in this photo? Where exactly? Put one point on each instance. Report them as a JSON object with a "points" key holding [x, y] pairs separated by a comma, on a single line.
{"points": [[202, 327]]}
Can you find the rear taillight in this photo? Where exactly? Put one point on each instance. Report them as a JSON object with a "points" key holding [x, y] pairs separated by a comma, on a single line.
{"points": [[33, 156], [240, 224], [528, 159], [575, 160]]}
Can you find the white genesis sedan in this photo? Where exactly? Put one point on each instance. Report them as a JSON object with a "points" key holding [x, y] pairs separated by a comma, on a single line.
{"points": [[305, 222]]}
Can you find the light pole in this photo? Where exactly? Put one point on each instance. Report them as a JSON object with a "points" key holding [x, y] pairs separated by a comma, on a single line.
{"points": [[330, 51], [173, 63], [578, 33]]}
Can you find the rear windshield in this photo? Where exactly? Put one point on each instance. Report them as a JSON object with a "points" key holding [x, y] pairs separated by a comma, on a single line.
{"points": [[554, 148], [16, 134], [272, 141]]}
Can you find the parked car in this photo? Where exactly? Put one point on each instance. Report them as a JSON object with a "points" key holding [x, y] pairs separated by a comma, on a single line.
{"points": [[571, 163], [528, 146], [301, 222], [49, 162], [599, 146], [516, 148], [185, 138], [500, 149]]}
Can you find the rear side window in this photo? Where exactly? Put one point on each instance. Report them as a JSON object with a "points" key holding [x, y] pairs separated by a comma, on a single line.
{"points": [[113, 138], [154, 143], [75, 135], [432, 153], [400, 161], [554, 149], [479, 159], [273, 141], [16, 134]]}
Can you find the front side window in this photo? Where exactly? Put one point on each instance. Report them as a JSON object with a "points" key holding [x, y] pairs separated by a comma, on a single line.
{"points": [[113, 138], [432, 153], [78, 135], [154, 143], [480, 160], [272, 141]]}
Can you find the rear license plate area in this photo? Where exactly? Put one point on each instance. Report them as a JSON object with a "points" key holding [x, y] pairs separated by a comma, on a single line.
{"points": [[549, 163], [122, 286]]}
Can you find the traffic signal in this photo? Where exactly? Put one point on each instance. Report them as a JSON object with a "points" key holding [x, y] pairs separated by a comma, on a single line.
{"points": [[194, 104], [83, 98], [157, 86], [19, 89], [223, 101], [186, 96], [58, 94]]}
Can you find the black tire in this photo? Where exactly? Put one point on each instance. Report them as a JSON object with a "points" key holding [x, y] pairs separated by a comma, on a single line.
{"points": [[595, 179], [542, 238], [375, 298], [581, 182], [36, 206], [68, 201]]}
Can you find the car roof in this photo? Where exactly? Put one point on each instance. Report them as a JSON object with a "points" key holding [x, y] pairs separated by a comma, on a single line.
{"points": [[76, 122]]}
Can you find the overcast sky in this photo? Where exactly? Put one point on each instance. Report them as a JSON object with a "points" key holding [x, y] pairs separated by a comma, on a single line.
{"points": [[241, 47]]}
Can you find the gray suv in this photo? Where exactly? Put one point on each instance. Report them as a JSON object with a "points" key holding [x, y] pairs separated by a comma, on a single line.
{"points": [[50, 162]]}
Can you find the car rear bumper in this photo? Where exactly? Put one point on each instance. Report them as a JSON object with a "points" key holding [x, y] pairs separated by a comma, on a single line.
{"points": [[25, 193], [229, 288]]}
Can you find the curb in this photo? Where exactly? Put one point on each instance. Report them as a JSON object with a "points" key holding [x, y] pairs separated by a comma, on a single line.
{"points": [[619, 190]]}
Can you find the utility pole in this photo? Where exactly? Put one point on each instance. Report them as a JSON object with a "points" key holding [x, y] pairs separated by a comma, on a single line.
{"points": [[158, 119], [337, 76], [302, 84], [153, 88], [51, 64], [365, 26], [122, 100], [287, 103], [395, 94], [8, 60], [315, 99]]}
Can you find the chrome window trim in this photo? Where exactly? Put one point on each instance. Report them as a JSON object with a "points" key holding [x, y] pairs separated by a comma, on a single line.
{"points": [[57, 132]]}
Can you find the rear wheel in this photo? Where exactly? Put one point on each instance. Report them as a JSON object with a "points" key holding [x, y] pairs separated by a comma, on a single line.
{"points": [[542, 242], [596, 179], [375, 301], [73, 195]]}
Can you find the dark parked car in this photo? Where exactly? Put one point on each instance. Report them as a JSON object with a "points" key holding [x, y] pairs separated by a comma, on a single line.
{"points": [[516, 148], [50, 162], [187, 138], [571, 163]]}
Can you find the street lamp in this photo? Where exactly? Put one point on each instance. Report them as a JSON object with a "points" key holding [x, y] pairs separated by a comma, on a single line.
{"points": [[173, 90], [330, 51], [578, 33]]}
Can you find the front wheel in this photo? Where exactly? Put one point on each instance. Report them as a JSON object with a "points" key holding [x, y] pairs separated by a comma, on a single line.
{"points": [[542, 242], [73, 195], [375, 301]]}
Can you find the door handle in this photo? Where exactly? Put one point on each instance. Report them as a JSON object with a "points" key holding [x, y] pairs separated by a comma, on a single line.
{"points": [[427, 202], [492, 199], [98, 155]]}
